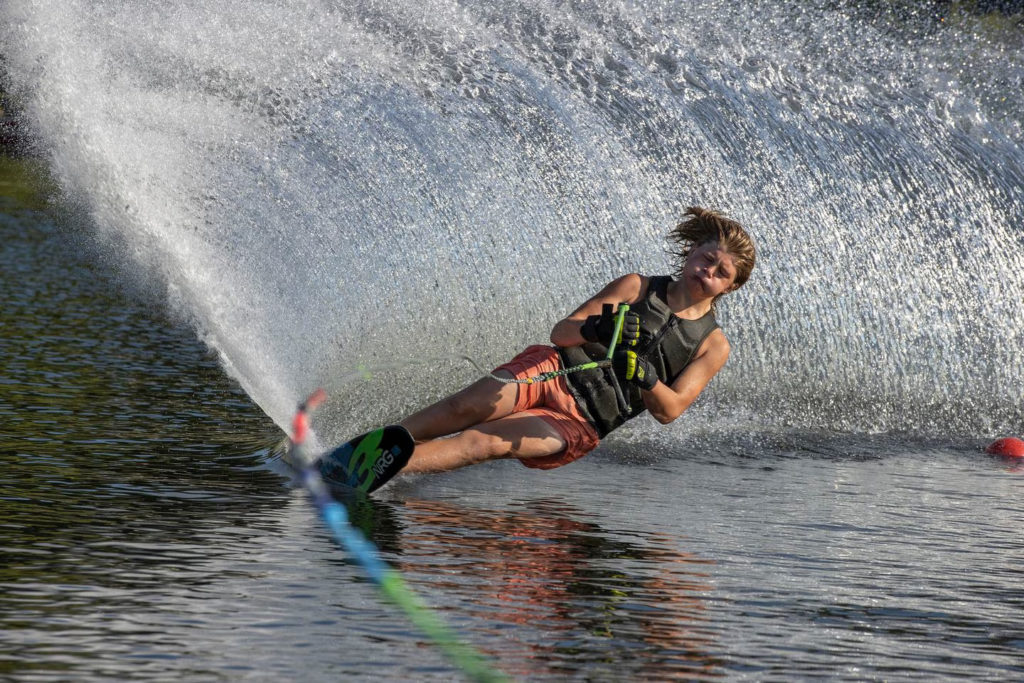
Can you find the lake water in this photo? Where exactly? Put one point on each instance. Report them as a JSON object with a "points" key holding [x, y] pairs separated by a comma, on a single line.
{"points": [[149, 531]]}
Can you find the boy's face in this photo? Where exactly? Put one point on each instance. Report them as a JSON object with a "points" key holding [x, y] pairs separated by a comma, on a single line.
{"points": [[709, 270]]}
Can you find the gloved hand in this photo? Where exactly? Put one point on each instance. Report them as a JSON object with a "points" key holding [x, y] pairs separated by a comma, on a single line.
{"points": [[600, 328], [635, 369]]}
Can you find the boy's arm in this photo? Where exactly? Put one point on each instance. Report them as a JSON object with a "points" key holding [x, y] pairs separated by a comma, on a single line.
{"points": [[625, 289], [667, 402]]}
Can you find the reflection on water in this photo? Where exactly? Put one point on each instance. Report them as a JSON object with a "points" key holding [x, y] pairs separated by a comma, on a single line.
{"points": [[581, 594]]}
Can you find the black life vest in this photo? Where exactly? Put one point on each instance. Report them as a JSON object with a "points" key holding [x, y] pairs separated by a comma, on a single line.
{"points": [[667, 341]]}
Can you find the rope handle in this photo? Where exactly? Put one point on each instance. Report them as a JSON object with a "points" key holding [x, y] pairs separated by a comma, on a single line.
{"points": [[620, 319]]}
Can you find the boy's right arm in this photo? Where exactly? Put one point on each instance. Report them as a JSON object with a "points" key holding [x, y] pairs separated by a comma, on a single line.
{"points": [[625, 289]]}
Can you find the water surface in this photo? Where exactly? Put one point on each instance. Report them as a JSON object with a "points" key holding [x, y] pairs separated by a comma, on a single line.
{"points": [[150, 532]]}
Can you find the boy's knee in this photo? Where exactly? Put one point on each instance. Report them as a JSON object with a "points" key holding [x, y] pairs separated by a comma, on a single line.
{"points": [[461, 407], [485, 446]]}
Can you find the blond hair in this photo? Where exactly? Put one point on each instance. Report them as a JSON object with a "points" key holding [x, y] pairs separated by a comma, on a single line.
{"points": [[700, 226]]}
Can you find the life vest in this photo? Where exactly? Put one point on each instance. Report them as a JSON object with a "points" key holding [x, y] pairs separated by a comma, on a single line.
{"points": [[667, 341]]}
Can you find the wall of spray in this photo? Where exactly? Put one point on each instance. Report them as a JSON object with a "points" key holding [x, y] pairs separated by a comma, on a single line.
{"points": [[325, 188]]}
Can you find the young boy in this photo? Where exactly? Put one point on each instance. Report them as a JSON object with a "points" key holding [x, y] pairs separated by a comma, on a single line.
{"points": [[671, 348]]}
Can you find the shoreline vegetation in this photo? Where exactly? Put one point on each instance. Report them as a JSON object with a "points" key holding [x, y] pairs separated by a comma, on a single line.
{"points": [[12, 141], [24, 180], [24, 183]]}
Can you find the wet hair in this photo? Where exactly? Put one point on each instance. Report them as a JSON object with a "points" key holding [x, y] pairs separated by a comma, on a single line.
{"points": [[700, 226]]}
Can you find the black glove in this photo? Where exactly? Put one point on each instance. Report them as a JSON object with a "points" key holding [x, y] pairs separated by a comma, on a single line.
{"points": [[601, 328], [635, 369]]}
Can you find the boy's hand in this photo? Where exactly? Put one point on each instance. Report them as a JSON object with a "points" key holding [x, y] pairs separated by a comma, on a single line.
{"points": [[630, 329], [601, 328], [635, 369]]}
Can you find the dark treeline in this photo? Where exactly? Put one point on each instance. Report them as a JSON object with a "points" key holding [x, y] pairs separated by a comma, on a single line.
{"points": [[12, 142], [924, 14]]}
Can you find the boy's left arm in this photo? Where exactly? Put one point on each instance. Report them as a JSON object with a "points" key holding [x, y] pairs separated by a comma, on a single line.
{"points": [[667, 402]]}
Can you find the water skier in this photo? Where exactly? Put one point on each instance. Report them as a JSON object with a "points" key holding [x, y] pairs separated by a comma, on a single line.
{"points": [[670, 348]]}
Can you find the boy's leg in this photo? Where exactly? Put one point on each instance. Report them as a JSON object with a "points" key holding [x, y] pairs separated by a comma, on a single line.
{"points": [[484, 400], [516, 436]]}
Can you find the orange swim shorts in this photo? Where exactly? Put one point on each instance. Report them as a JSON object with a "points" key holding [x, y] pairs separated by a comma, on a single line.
{"points": [[552, 402]]}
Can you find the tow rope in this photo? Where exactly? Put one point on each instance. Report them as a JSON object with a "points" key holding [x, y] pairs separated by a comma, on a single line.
{"points": [[605, 362]]}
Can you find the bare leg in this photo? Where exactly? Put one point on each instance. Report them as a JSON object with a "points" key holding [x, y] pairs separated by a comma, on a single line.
{"points": [[514, 436], [482, 401]]}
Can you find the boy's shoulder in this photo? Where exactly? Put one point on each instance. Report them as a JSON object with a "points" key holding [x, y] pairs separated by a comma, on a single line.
{"points": [[630, 287], [715, 346]]}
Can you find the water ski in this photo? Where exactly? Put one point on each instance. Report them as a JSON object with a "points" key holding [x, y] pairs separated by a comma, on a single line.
{"points": [[368, 461]]}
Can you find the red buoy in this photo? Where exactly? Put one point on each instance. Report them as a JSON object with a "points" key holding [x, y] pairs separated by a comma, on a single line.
{"points": [[1010, 447]]}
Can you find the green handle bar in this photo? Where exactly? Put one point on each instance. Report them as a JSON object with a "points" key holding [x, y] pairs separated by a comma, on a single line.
{"points": [[620, 319]]}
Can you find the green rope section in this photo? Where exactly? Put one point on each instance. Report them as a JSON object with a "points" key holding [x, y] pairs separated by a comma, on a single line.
{"points": [[547, 376], [620, 318]]}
